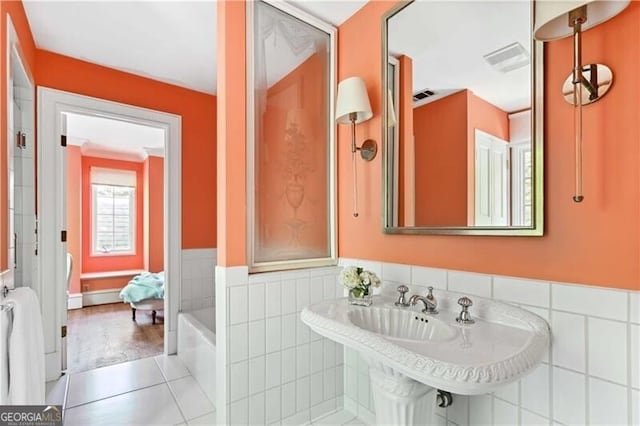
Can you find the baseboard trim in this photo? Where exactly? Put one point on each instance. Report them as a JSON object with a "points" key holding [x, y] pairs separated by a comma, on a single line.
{"points": [[74, 301], [101, 297], [52, 364]]}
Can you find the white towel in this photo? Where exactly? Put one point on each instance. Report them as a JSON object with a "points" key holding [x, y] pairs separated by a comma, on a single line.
{"points": [[26, 349], [6, 322]]}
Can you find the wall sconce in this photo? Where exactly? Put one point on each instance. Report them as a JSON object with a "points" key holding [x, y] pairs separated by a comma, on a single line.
{"points": [[353, 107], [586, 83]]}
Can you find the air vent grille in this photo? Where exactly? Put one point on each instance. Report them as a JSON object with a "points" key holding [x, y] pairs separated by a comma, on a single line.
{"points": [[422, 95], [508, 58]]}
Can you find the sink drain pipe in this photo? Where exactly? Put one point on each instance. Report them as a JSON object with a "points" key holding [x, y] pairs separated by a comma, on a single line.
{"points": [[444, 398]]}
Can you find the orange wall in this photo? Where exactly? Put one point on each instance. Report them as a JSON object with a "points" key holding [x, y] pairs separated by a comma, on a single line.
{"points": [[486, 117], [232, 138], [440, 129], [74, 212], [15, 10], [198, 112], [291, 166], [110, 263], [596, 242], [154, 213]]}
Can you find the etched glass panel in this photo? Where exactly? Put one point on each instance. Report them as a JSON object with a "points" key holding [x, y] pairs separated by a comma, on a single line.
{"points": [[292, 138]]}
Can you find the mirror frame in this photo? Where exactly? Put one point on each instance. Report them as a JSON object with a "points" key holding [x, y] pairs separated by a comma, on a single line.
{"points": [[537, 87]]}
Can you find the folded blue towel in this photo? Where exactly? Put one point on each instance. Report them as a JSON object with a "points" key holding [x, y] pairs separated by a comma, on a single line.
{"points": [[144, 286]]}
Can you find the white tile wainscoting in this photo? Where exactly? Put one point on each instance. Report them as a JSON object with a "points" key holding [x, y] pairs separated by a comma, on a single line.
{"points": [[271, 368], [591, 374], [198, 279]]}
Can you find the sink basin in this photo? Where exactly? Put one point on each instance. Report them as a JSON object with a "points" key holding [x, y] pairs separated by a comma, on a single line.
{"points": [[410, 353], [399, 324]]}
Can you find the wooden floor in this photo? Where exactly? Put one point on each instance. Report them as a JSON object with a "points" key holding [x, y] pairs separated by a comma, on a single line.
{"points": [[103, 335]]}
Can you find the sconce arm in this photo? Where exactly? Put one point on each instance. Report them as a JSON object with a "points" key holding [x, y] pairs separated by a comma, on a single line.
{"points": [[352, 118], [576, 18]]}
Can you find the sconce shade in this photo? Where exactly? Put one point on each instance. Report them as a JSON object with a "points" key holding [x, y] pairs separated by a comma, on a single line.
{"points": [[352, 98], [552, 22]]}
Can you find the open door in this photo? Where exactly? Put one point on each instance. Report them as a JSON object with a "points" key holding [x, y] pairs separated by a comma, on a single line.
{"points": [[492, 180], [67, 263]]}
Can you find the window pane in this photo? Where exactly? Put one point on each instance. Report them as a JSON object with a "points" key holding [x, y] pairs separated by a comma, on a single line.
{"points": [[113, 218]]}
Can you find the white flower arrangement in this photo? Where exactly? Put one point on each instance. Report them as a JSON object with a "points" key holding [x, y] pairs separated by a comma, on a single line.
{"points": [[358, 281]]}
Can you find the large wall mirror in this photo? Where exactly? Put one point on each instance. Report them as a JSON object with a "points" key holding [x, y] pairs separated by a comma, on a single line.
{"points": [[462, 101]]}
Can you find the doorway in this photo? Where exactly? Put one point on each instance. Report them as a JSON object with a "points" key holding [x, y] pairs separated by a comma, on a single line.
{"points": [[115, 243], [56, 111]]}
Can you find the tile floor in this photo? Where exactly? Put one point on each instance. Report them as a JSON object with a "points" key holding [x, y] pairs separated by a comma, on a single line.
{"points": [[342, 418], [151, 391]]}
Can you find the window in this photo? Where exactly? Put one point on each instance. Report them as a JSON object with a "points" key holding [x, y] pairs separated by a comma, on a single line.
{"points": [[113, 195], [527, 188], [522, 176]]}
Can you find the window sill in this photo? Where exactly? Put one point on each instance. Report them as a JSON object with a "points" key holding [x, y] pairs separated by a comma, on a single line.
{"points": [[113, 254], [110, 274]]}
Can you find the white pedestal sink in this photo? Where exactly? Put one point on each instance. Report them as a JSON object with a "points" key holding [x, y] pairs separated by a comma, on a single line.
{"points": [[410, 353]]}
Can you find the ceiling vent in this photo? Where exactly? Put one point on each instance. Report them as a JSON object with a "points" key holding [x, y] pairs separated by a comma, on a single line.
{"points": [[423, 95], [508, 58]]}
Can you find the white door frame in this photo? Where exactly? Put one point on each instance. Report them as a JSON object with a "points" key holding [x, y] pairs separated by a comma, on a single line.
{"points": [[52, 285], [14, 56]]}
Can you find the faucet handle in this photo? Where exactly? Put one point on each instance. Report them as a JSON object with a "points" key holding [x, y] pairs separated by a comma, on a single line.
{"points": [[465, 316], [433, 308], [402, 289], [430, 295], [465, 302]]}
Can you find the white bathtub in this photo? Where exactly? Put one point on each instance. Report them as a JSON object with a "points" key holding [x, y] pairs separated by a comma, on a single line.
{"points": [[197, 347]]}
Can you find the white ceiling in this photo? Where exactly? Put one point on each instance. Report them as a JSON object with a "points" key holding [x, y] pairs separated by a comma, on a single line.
{"points": [[170, 41], [104, 137], [448, 39], [332, 11]]}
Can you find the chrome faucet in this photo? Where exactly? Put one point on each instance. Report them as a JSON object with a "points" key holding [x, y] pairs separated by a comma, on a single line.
{"points": [[430, 302]]}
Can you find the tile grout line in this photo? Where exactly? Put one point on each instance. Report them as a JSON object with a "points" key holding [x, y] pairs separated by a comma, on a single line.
{"points": [[446, 411], [248, 342], [115, 395], [550, 355], [161, 370], [629, 366], [492, 408], [64, 399], [519, 415], [175, 399], [587, 392]]}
